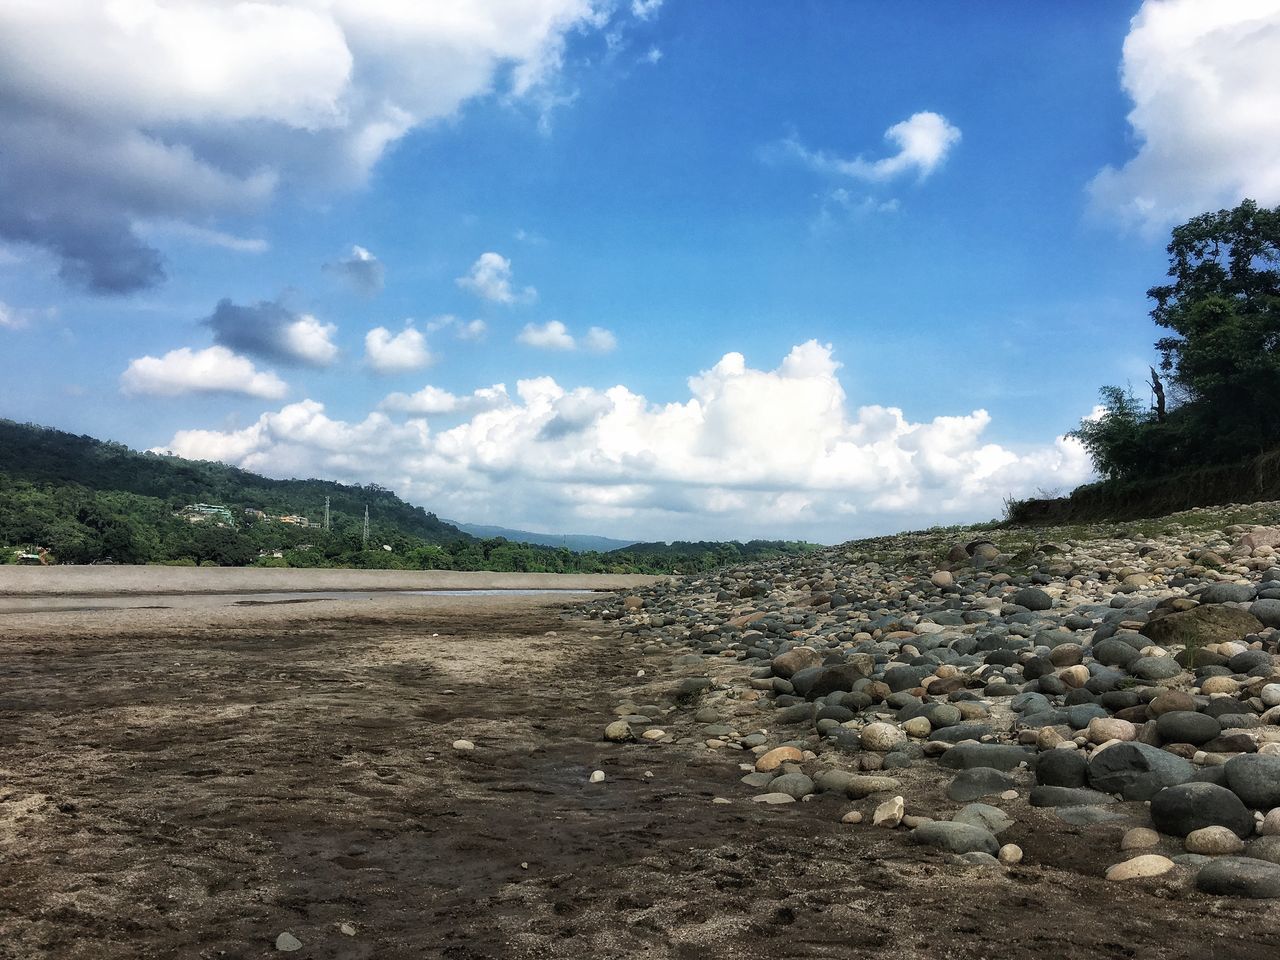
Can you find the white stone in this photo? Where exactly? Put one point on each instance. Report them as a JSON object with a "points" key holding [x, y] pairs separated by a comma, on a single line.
{"points": [[1010, 854], [889, 814], [881, 737], [597, 776], [1147, 865], [1271, 695], [463, 745]]}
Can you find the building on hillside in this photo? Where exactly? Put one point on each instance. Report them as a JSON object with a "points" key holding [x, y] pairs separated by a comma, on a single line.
{"points": [[208, 513], [256, 514], [295, 520]]}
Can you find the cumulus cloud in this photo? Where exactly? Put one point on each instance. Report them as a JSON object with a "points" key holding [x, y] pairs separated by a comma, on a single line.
{"points": [[433, 400], [270, 330], [212, 370], [462, 329], [112, 113], [554, 335], [749, 452], [645, 9], [490, 279], [386, 352], [923, 140], [1205, 83], [362, 270]]}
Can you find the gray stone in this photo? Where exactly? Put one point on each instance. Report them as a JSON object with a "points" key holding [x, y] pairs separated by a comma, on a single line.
{"points": [[1227, 593], [978, 782], [1062, 768], [1267, 612], [1240, 877], [956, 837], [1255, 779], [796, 785], [1000, 756], [1137, 771], [989, 818], [1152, 669], [1033, 598], [1265, 848], [1180, 809], [1184, 726], [1046, 796], [288, 943], [1209, 623]]}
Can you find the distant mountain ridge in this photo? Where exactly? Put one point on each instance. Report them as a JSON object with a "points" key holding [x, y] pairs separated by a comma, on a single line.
{"points": [[577, 542]]}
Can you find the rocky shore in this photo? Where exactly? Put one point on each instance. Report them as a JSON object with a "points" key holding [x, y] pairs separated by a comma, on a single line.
{"points": [[945, 682]]}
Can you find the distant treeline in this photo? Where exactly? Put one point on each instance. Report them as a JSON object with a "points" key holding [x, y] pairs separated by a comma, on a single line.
{"points": [[87, 501]]}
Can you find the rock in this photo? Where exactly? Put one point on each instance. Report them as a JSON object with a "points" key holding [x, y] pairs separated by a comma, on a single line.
{"points": [[777, 757], [1213, 841], [1137, 771], [1062, 768], [1102, 729], [1045, 796], [1267, 611], [1255, 779], [1184, 726], [1147, 865], [1240, 877], [858, 787], [1209, 623], [943, 580], [795, 785], [1227, 593], [889, 814], [853, 816], [1183, 808], [1000, 756], [1270, 826], [463, 745], [773, 798], [1010, 854], [1139, 838], [1170, 701], [795, 660], [918, 727], [1086, 816], [619, 732], [1270, 694], [347, 929], [597, 776], [1153, 669], [287, 943], [1265, 848], [977, 782], [956, 837], [881, 737], [989, 818], [1033, 598]]}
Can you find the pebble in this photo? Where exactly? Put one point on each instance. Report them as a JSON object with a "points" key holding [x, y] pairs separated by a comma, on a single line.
{"points": [[347, 930], [1147, 865], [777, 757], [462, 745], [597, 776], [1213, 841], [889, 814], [853, 816], [1010, 854], [1139, 838], [287, 943]]}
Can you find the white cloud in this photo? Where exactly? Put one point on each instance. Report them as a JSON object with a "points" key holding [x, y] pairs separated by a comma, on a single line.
{"points": [[748, 453], [923, 140], [396, 353], [212, 370], [433, 400], [599, 340], [12, 318], [462, 329], [203, 236], [1205, 83], [653, 55], [645, 9], [196, 109], [490, 279], [361, 269], [270, 330], [552, 335]]}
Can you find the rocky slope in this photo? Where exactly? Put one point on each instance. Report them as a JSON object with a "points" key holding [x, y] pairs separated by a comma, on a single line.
{"points": [[944, 681]]}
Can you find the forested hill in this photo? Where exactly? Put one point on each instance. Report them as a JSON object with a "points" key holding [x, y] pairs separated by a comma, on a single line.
{"points": [[39, 455], [73, 499]]}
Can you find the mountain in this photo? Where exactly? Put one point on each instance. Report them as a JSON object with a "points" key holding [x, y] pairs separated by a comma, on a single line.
{"points": [[577, 542]]}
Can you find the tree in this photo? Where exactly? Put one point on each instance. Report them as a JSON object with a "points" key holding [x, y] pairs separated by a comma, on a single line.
{"points": [[1114, 436], [1223, 306]]}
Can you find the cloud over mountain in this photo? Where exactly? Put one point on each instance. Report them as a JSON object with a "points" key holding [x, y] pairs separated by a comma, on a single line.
{"points": [[270, 330]]}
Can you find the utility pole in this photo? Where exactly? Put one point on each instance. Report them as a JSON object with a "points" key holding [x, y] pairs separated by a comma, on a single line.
{"points": [[326, 514], [366, 527]]}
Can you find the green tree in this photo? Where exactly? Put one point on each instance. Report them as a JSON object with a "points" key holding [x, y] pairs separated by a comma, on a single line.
{"points": [[1114, 438], [1223, 308]]}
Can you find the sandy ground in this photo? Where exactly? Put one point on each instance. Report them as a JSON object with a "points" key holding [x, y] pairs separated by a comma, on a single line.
{"points": [[104, 581], [193, 784]]}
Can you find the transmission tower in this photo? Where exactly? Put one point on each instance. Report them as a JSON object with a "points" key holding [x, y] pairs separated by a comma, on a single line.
{"points": [[326, 514], [366, 527]]}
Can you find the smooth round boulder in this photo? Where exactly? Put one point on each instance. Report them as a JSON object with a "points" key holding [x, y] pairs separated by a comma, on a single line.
{"points": [[1102, 729], [882, 737], [1184, 808], [1062, 768], [956, 837], [1138, 868], [1152, 669], [1137, 771], [1033, 598], [1255, 779], [1240, 877], [776, 757], [794, 660], [1184, 726], [1213, 841]]}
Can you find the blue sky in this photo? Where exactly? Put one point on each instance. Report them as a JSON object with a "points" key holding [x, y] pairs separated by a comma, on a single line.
{"points": [[719, 300]]}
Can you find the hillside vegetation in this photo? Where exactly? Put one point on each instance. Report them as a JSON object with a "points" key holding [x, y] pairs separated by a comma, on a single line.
{"points": [[82, 500]]}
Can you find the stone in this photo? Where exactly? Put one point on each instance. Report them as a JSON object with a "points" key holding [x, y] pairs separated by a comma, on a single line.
{"points": [[1010, 854], [1255, 779], [1170, 701], [1227, 593], [1033, 598], [794, 660], [1270, 826], [1184, 726], [777, 757], [989, 818], [773, 799], [1270, 694], [943, 580], [858, 787], [1139, 838], [1147, 865], [619, 732], [597, 776], [918, 727], [1000, 756], [1240, 877], [1186, 807], [1267, 611], [796, 785], [889, 814], [1102, 729], [1153, 669], [1213, 841], [881, 737], [1209, 623], [1045, 796], [977, 782], [288, 943], [1062, 768], [1265, 848], [853, 816], [956, 837], [1137, 771]]}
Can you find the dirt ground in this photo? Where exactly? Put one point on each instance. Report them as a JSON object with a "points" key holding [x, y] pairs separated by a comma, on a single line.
{"points": [[179, 784]]}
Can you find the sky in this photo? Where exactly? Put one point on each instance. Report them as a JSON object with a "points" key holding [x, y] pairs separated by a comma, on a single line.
{"points": [[652, 269]]}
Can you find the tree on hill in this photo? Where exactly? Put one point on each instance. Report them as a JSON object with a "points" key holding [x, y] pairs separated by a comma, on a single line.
{"points": [[1221, 358]]}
